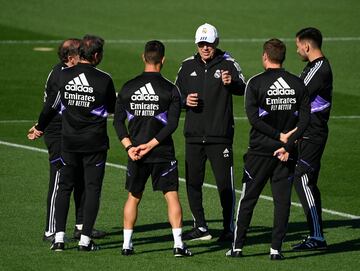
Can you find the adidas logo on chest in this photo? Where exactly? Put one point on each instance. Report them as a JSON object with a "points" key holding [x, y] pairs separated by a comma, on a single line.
{"points": [[80, 84], [145, 93]]}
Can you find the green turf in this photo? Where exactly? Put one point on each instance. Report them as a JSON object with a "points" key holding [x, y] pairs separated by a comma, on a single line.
{"points": [[23, 173]]}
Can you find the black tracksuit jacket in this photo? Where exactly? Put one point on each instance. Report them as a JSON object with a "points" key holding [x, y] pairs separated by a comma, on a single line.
{"points": [[51, 89], [212, 120], [86, 96], [152, 106], [318, 78], [275, 101]]}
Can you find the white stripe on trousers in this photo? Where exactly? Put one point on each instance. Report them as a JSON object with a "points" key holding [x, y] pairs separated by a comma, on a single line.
{"points": [[311, 204], [238, 210], [234, 196], [52, 222]]}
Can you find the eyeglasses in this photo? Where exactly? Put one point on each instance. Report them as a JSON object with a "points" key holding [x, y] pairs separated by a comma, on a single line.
{"points": [[207, 44]]}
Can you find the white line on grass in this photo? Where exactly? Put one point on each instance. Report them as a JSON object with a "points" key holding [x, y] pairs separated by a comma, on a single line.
{"points": [[181, 179], [141, 41], [16, 121], [22, 146], [235, 118]]}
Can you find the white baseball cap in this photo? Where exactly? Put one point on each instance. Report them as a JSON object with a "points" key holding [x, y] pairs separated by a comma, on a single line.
{"points": [[206, 33]]}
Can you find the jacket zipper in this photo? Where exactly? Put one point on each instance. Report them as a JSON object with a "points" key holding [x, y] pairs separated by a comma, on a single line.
{"points": [[203, 98]]}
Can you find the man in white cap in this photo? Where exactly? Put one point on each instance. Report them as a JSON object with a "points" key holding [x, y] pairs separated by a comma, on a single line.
{"points": [[207, 82]]}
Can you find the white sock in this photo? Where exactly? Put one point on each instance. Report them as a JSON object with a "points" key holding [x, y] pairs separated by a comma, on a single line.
{"points": [[79, 226], [177, 237], [59, 237], [84, 240], [274, 251], [128, 239]]}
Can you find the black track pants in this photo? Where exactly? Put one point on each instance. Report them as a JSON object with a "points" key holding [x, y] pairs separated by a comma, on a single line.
{"points": [[221, 160], [53, 144], [93, 167], [305, 182], [257, 170]]}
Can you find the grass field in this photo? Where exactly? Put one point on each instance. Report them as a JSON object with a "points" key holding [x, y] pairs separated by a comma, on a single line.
{"points": [[126, 25]]}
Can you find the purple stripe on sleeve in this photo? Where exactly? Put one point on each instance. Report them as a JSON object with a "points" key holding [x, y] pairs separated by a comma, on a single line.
{"points": [[319, 104], [129, 115], [100, 111], [226, 55], [62, 108], [162, 117], [262, 112]]}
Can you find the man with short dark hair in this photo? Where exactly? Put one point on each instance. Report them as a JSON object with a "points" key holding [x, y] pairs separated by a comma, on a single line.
{"points": [[277, 106], [86, 95], [207, 82], [152, 106], [317, 76]]}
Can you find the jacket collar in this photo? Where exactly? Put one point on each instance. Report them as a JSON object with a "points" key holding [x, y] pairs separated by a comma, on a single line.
{"points": [[218, 57]]}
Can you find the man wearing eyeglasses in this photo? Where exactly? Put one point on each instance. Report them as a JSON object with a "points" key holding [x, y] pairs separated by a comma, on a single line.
{"points": [[207, 82]]}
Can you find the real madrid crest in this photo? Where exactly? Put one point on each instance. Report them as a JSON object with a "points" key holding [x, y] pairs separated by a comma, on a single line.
{"points": [[217, 74]]}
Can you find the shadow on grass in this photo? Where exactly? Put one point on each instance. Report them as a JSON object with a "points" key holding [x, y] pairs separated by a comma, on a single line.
{"points": [[299, 230], [256, 235], [342, 247]]}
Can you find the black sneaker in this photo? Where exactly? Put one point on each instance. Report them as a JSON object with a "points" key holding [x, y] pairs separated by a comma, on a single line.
{"points": [[310, 244], [90, 247], [60, 246], [226, 236], [277, 257], [49, 238], [235, 253], [196, 234], [182, 252], [95, 234], [127, 251]]}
